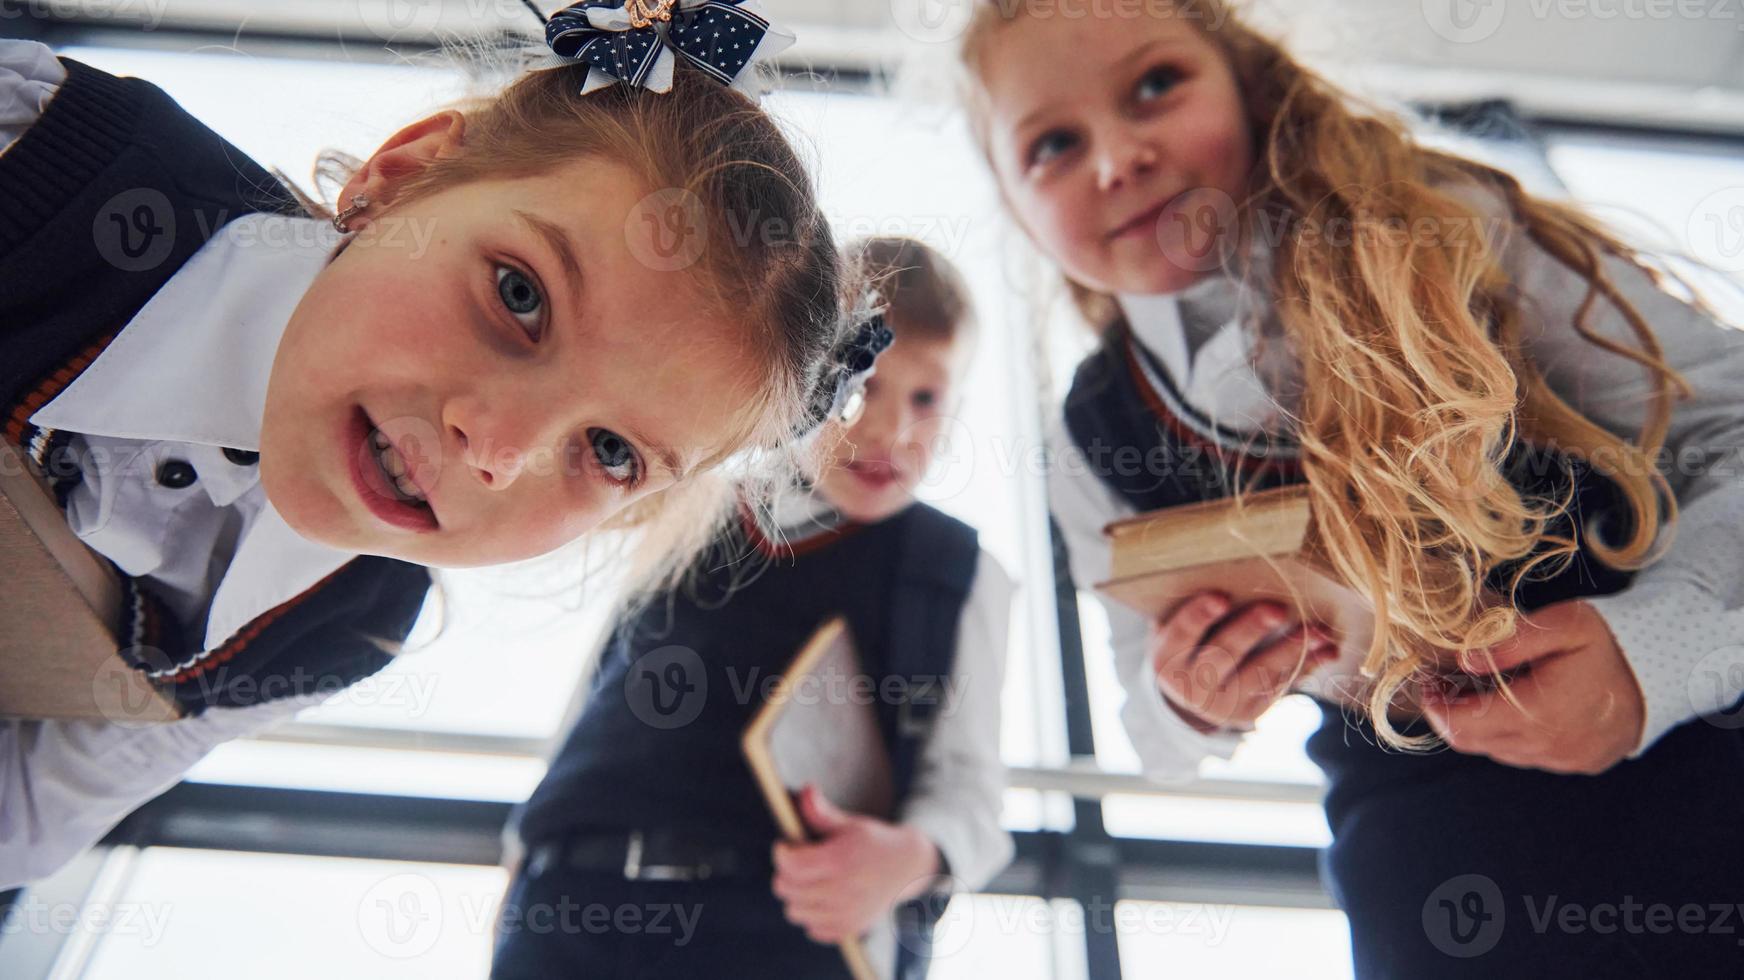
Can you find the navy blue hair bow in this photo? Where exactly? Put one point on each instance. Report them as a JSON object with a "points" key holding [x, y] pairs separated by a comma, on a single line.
{"points": [[639, 41]]}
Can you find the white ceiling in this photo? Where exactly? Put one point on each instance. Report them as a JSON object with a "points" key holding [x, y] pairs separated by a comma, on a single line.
{"points": [[1634, 40], [1620, 60]]}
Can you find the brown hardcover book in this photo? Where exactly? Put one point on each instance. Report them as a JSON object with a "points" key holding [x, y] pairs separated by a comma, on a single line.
{"points": [[805, 735], [1260, 547], [59, 607]]}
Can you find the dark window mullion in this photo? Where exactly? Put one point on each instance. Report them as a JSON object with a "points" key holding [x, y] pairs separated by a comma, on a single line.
{"points": [[1088, 868]]}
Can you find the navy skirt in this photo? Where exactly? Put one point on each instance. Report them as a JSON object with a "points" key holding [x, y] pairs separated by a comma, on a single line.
{"points": [[1451, 865]]}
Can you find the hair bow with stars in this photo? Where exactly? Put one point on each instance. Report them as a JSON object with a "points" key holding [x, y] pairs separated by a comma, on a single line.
{"points": [[640, 41]]}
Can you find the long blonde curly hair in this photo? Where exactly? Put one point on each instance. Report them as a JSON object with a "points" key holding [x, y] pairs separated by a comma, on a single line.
{"points": [[1415, 381]]}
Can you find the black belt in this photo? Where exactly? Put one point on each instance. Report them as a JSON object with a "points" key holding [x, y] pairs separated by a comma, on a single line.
{"points": [[658, 854]]}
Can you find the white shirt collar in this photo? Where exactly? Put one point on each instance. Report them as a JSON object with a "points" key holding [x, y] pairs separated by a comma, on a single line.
{"points": [[1217, 376], [1156, 323], [192, 365]]}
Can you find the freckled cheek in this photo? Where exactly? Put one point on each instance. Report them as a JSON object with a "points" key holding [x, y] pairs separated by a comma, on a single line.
{"points": [[1061, 223], [1227, 160], [527, 529], [1217, 154], [417, 312], [419, 336]]}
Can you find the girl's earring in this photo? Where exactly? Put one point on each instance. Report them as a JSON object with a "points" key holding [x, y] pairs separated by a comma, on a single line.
{"points": [[358, 203]]}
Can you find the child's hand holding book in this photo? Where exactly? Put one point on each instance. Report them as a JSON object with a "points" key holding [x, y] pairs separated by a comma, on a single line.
{"points": [[1246, 611], [840, 884], [1577, 707], [1221, 667]]}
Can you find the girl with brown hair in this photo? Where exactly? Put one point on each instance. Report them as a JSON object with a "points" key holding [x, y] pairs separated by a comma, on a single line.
{"points": [[275, 425]]}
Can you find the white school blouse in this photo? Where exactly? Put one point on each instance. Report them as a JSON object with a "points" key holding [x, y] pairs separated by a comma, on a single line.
{"points": [[165, 418], [1680, 624]]}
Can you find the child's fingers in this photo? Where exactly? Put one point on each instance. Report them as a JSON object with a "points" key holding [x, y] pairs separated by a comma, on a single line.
{"points": [[811, 903], [1547, 634], [810, 908], [1509, 750], [805, 863], [806, 873], [788, 890], [1269, 672], [1227, 647], [1204, 683], [1510, 654], [818, 919], [1175, 638], [1476, 724], [822, 916], [821, 816]]}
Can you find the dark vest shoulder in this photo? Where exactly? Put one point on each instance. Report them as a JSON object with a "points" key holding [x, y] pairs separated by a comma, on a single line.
{"points": [[102, 201]]}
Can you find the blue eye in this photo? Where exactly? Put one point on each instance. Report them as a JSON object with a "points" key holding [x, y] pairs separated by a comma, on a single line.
{"points": [[616, 456], [1050, 145], [521, 297], [1156, 83]]}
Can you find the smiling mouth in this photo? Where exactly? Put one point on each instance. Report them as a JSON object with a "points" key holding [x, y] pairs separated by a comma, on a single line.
{"points": [[394, 498], [874, 474], [1143, 222], [395, 471]]}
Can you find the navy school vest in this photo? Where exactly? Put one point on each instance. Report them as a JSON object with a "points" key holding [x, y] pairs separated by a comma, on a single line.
{"points": [[102, 201], [1156, 451], [1441, 861], [658, 743]]}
